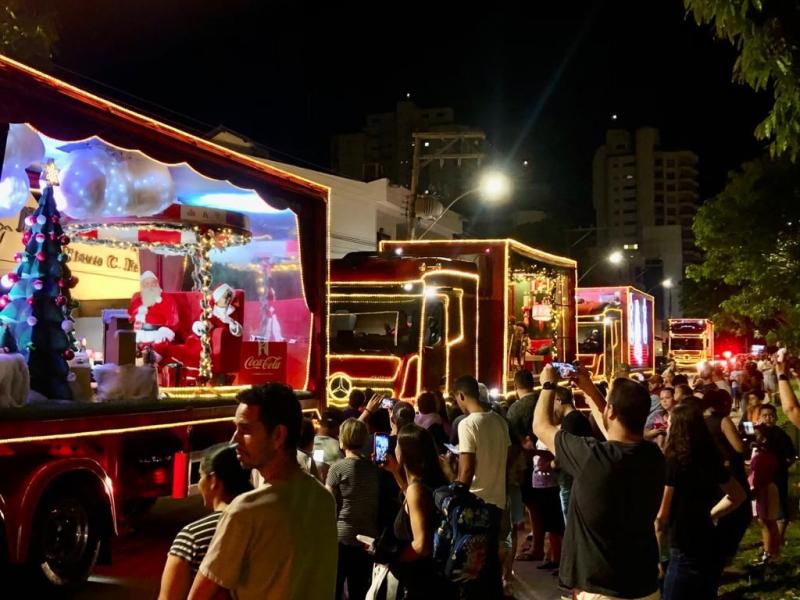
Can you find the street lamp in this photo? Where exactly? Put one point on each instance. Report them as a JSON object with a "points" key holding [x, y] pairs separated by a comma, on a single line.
{"points": [[615, 258], [493, 186]]}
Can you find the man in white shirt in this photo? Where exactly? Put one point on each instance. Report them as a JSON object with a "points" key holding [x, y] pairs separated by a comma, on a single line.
{"points": [[483, 443], [280, 540]]}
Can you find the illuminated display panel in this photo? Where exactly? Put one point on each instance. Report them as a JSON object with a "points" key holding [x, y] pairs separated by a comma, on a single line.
{"points": [[598, 308], [267, 268]]}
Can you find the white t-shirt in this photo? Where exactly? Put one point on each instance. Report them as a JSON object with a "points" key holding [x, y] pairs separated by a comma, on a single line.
{"points": [[485, 434], [278, 541]]}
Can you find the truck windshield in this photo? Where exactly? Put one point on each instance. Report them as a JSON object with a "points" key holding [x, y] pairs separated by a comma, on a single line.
{"points": [[684, 327], [590, 338], [686, 344], [377, 326]]}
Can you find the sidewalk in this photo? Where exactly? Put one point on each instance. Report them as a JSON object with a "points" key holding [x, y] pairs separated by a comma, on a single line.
{"points": [[531, 583]]}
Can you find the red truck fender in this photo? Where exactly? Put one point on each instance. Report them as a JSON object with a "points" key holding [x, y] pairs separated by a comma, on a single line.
{"points": [[77, 471]]}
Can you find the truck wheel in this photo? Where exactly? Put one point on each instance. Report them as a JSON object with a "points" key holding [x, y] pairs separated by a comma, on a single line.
{"points": [[67, 538]]}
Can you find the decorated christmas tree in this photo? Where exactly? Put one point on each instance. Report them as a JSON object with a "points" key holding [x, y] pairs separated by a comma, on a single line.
{"points": [[37, 306]]}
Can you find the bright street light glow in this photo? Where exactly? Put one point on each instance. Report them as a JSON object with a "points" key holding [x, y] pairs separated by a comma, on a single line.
{"points": [[494, 185], [408, 287], [614, 117], [667, 283], [615, 257], [398, 251]]}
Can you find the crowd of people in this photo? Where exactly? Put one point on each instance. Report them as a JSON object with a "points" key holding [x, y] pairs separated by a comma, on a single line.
{"points": [[643, 490]]}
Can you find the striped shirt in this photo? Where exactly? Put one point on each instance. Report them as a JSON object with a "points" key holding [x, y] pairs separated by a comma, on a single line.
{"points": [[355, 486], [191, 543]]}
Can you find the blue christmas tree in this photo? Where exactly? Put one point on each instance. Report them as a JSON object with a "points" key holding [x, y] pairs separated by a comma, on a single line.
{"points": [[37, 308]]}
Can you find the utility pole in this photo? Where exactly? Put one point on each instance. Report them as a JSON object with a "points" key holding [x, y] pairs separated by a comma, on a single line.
{"points": [[419, 161]]}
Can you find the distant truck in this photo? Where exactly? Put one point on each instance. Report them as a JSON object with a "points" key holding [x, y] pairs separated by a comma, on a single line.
{"points": [[615, 329], [691, 341], [526, 304]]}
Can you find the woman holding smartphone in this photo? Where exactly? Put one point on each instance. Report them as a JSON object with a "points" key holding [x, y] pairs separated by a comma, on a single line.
{"points": [[418, 472], [354, 483]]}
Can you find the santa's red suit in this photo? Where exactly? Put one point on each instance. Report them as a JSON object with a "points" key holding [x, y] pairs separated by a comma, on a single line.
{"points": [[154, 324], [188, 353]]}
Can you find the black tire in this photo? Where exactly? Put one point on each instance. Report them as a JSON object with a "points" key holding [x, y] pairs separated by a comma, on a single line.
{"points": [[66, 537]]}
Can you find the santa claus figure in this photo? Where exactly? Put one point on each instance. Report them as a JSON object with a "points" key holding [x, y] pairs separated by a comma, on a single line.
{"points": [[154, 316], [221, 313]]}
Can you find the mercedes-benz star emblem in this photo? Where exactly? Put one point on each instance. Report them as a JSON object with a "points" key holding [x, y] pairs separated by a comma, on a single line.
{"points": [[339, 386]]}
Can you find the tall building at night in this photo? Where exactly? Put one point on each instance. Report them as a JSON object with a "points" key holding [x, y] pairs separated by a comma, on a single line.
{"points": [[645, 198], [384, 148]]}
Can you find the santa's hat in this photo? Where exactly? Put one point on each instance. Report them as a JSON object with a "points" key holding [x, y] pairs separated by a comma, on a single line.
{"points": [[147, 275], [221, 291]]}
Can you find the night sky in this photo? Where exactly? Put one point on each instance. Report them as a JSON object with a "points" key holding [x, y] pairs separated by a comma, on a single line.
{"points": [[543, 82]]}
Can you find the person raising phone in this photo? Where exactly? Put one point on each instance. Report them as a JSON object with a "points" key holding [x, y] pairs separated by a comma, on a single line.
{"points": [[789, 402], [355, 485]]}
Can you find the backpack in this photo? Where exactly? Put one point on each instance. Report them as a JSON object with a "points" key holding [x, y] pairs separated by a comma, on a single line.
{"points": [[461, 541]]}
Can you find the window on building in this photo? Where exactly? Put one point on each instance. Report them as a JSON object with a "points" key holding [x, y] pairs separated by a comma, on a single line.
{"points": [[671, 187], [670, 174], [659, 220], [671, 212]]}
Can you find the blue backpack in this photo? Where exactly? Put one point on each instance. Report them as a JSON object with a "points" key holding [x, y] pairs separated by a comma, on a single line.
{"points": [[461, 541]]}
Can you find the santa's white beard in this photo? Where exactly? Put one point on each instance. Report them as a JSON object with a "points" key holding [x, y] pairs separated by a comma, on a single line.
{"points": [[151, 296]]}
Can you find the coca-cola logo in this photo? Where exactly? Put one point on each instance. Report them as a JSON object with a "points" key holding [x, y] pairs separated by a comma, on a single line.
{"points": [[263, 363]]}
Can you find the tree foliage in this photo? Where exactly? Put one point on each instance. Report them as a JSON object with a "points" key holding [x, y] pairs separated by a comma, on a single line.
{"points": [[750, 234], [766, 35], [28, 30]]}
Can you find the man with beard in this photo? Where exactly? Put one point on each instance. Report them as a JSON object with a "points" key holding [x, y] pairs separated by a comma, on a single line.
{"points": [[154, 315], [610, 549]]}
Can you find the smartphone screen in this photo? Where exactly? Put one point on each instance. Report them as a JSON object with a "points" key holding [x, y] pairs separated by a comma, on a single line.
{"points": [[748, 427], [564, 369], [319, 456], [381, 447], [387, 403]]}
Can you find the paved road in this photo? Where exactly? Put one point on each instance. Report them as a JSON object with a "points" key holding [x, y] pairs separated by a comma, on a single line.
{"points": [[139, 558]]}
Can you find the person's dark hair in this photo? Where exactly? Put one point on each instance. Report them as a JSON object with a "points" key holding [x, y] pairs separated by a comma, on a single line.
{"points": [[467, 385], [719, 401], [602, 387], [403, 414], [768, 407], [685, 389], [379, 422], [689, 441], [426, 403], [523, 379], [221, 460], [420, 457], [694, 402], [331, 419], [631, 403], [757, 393], [307, 433], [564, 395], [277, 406], [356, 399], [680, 379], [667, 389]]}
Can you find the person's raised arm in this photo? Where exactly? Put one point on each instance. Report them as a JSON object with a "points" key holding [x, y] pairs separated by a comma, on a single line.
{"points": [[373, 404], [789, 404], [544, 424], [597, 403]]}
